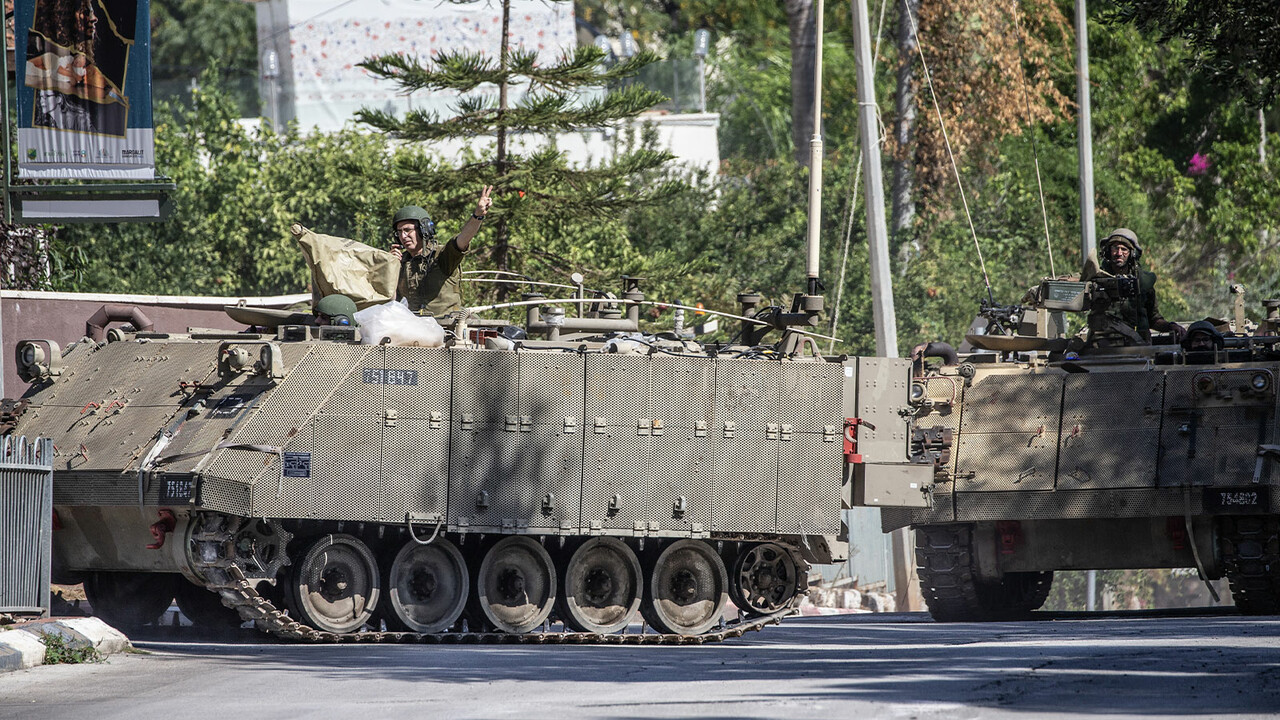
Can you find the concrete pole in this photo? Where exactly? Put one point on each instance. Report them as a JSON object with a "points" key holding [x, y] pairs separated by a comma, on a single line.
{"points": [[877, 232], [1091, 589], [815, 156], [1088, 235], [906, 584]]}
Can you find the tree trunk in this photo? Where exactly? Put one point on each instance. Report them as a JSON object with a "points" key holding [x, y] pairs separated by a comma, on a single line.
{"points": [[501, 249], [904, 125], [801, 21]]}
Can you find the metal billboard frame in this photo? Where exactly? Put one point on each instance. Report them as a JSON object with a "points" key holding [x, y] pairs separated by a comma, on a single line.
{"points": [[16, 195]]}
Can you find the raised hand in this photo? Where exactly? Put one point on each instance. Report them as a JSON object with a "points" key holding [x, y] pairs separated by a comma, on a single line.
{"points": [[482, 205]]}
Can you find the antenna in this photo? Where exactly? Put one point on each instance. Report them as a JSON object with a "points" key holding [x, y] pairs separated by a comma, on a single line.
{"points": [[815, 162], [928, 79], [1031, 131], [807, 305]]}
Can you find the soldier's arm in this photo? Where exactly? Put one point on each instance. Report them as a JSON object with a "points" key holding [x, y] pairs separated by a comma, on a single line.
{"points": [[1158, 322], [469, 230], [463, 239], [453, 253]]}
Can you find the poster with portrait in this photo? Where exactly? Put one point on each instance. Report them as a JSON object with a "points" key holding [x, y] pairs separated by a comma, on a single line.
{"points": [[84, 89]]}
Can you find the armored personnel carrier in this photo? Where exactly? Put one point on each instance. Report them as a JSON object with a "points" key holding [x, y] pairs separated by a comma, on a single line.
{"points": [[329, 489], [1051, 457]]}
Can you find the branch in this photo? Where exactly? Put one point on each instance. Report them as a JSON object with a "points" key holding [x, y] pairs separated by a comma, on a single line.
{"points": [[535, 113], [457, 70]]}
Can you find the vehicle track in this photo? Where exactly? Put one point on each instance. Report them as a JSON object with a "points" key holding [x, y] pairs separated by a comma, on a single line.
{"points": [[216, 559]]}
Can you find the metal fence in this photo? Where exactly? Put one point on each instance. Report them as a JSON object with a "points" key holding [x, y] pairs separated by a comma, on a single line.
{"points": [[26, 523], [679, 80]]}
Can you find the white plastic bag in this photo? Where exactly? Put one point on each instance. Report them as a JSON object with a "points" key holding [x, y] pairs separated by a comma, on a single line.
{"points": [[396, 321]]}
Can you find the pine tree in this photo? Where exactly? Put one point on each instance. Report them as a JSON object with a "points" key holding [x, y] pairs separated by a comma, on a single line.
{"points": [[540, 184]]}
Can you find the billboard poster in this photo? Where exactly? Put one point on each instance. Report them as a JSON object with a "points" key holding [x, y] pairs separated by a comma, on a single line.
{"points": [[84, 89]]}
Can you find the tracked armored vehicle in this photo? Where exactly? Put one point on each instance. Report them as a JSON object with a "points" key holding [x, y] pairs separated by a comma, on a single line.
{"points": [[1054, 457], [329, 490]]}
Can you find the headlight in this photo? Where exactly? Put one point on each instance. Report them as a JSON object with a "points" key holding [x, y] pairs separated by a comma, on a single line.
{"points": [[1205, 385], [32, 354], [1261, 381], [917, 392]]}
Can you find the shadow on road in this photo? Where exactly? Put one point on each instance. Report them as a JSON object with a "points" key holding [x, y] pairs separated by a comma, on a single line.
{"points": [[1127, 665]]}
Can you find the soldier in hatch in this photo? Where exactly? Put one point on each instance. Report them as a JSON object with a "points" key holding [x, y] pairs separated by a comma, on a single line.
{"points": [[429, 271], [1202, 340], [336, 310], [1129, 320]]}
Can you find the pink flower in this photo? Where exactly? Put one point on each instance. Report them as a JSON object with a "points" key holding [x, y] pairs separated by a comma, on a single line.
{"points": [[1199, 164]]}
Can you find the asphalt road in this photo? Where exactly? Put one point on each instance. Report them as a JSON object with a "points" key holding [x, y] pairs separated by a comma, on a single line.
{"points": [[873, 666]]}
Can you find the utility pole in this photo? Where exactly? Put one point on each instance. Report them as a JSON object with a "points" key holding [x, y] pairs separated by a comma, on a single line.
{"points": [[877, 232], [1084, 145], [905, 582], [701, 48], [271, 78]]}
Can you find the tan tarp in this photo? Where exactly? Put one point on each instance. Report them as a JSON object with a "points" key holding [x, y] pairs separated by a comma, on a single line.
{"points": [[365, 274]]}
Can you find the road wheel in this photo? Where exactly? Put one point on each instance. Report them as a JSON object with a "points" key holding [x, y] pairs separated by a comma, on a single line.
{"points": [[764, 579], [130, 599], [516, 585], [1016, 595], [335, 584], [427, 586], [603, 584], [687, 589]]}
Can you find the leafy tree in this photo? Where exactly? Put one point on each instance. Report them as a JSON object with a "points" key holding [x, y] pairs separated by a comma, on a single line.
{"points": [[650, 22], [751, 88], [1154, 112], [994, 70], [238, 190], [190, 35], [535, 185], [1131, 589], [1236, 42]]}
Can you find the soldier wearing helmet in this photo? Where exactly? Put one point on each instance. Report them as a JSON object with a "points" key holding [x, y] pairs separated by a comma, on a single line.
{"points": [[336, 310], [1133, 317], [1203, 336], [429, 271]]}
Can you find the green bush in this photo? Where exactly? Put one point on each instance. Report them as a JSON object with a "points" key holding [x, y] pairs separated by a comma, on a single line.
{"points": [[58, 650]]}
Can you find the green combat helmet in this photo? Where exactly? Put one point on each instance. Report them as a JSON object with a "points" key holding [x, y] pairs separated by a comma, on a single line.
{"points": [[1126, 236], [336, 310], [1203, 335], [426, 226]]}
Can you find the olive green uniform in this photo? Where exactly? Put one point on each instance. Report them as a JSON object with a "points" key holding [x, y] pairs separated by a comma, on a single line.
{"points": [[430, 280], [1139, 312]]}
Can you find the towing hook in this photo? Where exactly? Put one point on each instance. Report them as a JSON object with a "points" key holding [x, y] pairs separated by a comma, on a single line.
{"points": [[162, 527]]}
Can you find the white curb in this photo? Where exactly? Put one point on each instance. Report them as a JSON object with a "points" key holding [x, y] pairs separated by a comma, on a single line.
{"points": [[24, 647], [82, 631], [19, 650]]}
